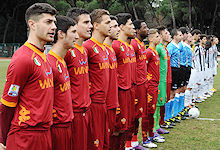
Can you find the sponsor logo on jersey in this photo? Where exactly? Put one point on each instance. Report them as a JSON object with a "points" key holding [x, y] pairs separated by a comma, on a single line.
{"points": [[48, 72], [64, 87], [81, 70], [103, 65], [46, 83], [13, 90]]}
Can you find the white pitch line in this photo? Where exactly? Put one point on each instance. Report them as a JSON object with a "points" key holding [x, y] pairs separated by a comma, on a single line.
{"points": [[210, 119]]}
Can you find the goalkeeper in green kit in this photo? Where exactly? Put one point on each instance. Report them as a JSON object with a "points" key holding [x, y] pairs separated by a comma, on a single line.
{"points": [[162, 88]]}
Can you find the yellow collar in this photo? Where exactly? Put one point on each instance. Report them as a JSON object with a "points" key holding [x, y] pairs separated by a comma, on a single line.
{"points": [[80, 48], [57, 57], [153, 50], [98, 43], [139, 42], [41, 54], [108, 47]]}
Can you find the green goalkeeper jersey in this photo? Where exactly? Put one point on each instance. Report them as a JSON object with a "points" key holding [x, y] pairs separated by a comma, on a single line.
{"points": [[163, 62], [162, 96]]}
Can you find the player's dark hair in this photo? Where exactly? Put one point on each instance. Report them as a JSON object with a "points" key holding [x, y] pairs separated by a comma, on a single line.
{"points": [[63, 23], [202, 36], [137, 24], [113, 18], [35, 10], [96, 15], [75, 12], [174, 32], [161, 28], [183, 30], [123, 18], [196, 31]]}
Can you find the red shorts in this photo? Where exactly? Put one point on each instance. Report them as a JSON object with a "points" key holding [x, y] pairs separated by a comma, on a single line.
{"points": [[141, 96], [168, 91], [80, 129], [98, 135], [29, 140], [122, 116], [61, 136], [131, 107], [111, 120], [152, 94]]}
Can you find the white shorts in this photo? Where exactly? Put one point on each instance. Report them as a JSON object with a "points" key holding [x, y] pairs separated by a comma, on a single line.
{"points": [[193, 78]]}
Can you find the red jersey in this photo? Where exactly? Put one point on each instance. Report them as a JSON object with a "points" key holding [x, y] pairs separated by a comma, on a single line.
{"points": [[169, 76], [77, 64], [124, 66], [140, 51], [112, 96], [153, 66], [132, 62], [29, 88], [98, 70], [62, 106]]}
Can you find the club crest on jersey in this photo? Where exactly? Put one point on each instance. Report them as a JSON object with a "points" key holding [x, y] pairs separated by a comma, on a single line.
{"points": [[37, 62], [13, 90], [122, 49], [107, 52], [73, 54], [153, 54], [96, 50], [59, 68]]}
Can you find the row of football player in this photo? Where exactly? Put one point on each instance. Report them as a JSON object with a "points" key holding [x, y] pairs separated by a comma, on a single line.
{"points": [[191, 81]]}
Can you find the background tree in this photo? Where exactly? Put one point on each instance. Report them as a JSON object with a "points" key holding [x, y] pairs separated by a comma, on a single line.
{"points": [[200, 14]]}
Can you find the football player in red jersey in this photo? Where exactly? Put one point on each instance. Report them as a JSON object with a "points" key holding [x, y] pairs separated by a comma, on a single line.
{"points": [[27, 102], [98, 78], [64, 39], [153, 76], [77, 64], [112, 96], [121, 48], [141, 71]]}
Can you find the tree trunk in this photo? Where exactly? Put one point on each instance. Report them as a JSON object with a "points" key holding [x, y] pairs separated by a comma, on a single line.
{"points": [[103, 4], [172, 13], [190, 14], [213, 18], [6, 29], [153, 12], [15, 26], [134, 10], [70, 3]]}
